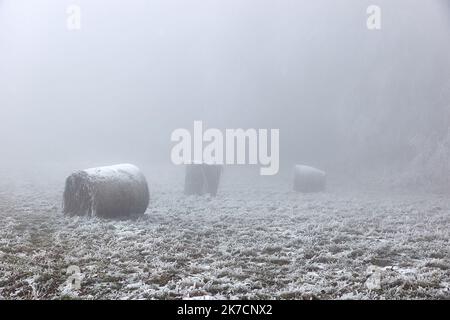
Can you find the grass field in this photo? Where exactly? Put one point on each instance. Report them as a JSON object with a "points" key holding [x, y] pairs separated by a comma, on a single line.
{"points": [[254, 240]]}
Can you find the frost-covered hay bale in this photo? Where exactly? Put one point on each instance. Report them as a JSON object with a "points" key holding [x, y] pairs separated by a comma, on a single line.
{"points": [[109, 192], [202, 178], [309, 179]]}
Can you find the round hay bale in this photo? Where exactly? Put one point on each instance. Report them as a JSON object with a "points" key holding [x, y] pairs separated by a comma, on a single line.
{"points": [[308, 179], [108, 192], [201, 179]]}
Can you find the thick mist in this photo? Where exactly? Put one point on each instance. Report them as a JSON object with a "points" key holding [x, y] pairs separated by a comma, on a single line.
{"points": [[345, 98], [98, 199]]}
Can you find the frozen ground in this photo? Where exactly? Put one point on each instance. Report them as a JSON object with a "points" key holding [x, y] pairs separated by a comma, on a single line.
{"points": [[257, 239]]}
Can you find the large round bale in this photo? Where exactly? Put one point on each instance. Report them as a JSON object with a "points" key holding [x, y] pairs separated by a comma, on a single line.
{"points": [[108, 192], [309, 179], [201, 179]]}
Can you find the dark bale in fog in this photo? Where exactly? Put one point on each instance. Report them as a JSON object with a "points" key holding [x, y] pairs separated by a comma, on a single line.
{"points": [[108, 192], [201, 179], [308, 179]]}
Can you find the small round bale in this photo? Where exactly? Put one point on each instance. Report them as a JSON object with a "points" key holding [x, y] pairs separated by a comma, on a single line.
{"points": [[109, 192], [308, 179], [201, 179]]}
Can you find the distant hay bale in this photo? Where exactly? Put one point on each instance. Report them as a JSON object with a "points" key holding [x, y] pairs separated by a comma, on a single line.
{"points": [[108, 192], [201, 179], [309, 179]]}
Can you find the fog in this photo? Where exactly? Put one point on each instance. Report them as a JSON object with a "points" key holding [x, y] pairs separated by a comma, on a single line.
{"points": [[93, 205], [345, 98]]}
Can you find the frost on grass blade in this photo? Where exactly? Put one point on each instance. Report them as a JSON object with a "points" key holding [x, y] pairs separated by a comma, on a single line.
{"points": [[108, 192]]}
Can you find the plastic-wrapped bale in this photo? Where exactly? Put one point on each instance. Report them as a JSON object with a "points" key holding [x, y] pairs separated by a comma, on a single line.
{"points": [[309, 179], [109, 192], [201, 179]]}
